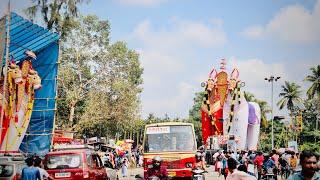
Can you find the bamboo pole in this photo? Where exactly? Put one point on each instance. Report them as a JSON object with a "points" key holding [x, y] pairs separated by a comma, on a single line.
{"points": [[6, 68], [56, 98]]}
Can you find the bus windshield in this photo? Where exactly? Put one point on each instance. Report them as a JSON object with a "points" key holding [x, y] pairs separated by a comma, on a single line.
{"points": [[169, 138]]}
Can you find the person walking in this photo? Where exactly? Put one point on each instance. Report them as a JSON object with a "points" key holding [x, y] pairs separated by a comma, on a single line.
{"points": [[30, 172], [124, 167], [43, 173], [293, 163], [258, 162]]}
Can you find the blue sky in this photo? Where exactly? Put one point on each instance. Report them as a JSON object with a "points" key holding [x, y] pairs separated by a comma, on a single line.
{"points": [[180, 41]]}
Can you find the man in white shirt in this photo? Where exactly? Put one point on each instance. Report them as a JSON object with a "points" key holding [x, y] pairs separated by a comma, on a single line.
{"points": [[43, 173]]}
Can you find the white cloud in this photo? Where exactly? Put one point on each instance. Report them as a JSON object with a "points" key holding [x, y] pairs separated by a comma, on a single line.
{"points": [[142, 2], [253, 72], [255, 32], [180, 34], [293, 23], [176, 105], [158, 66], [169, 84]]}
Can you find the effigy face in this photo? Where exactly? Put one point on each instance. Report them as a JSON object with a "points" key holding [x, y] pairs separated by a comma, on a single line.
{"points": [[15, 73], [34, 79], [211, 85]]}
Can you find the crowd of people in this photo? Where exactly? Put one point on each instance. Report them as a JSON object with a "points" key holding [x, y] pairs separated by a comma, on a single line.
{"points": [[259, 165], [115, 160]]}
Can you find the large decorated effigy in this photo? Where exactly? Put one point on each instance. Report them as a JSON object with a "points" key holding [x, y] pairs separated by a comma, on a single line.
{"points": [[18, 86], [225, 112], [28, 56]]}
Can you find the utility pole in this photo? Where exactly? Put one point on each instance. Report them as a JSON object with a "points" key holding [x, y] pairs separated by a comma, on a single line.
{"points": [[272, 79]]}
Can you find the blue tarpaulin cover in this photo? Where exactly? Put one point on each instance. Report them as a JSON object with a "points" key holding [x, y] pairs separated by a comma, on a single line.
{"points": [[24, 35]]}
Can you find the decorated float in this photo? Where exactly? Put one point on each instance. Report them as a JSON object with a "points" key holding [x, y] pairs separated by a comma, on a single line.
{"points": [[29, 55], [227, 118]]}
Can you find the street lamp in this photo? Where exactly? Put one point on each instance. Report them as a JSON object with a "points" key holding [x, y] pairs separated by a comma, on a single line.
{"points": [[272, 79]]}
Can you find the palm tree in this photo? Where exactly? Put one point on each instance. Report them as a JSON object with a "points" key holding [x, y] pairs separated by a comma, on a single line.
{"points": [[249, 96], [314, 78], [291, 96], [314, 89], [264, 108]]}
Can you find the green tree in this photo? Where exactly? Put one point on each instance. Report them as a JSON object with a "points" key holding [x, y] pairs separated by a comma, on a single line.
{"points": [[82, 47], [249, 96], [118, 86], [314, 90], [195, 116], [58, 15], [265, 109], [290, 96], [314, 78]]}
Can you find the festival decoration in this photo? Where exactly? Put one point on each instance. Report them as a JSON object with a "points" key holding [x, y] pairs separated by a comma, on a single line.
{"points": [[226, 112], [18, 101]]}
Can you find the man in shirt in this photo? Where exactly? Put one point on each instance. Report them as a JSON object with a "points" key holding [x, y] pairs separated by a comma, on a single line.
{"points": [[235, 174], [258, 162], [308, 161], [43, 173], [30, 172]]}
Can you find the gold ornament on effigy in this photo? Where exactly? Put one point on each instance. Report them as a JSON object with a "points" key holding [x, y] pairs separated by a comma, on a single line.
{"points": [[222, 86]]}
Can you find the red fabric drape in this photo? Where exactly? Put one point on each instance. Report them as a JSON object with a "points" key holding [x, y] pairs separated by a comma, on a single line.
{"points": [[206, 126]]}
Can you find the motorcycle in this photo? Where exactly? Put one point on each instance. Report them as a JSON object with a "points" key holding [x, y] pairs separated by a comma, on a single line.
{"points": [[198, 174], [268, 174], [153, 178], [138, 177]]}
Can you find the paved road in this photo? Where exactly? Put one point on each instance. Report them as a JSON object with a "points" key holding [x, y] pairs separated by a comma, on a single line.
{"points": [[132, 172]]}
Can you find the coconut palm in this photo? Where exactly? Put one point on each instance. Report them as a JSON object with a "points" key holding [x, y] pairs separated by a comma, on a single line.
{"points": [[291, 96], [264, 108], [249, 96], [314, 78], [314, 89]]}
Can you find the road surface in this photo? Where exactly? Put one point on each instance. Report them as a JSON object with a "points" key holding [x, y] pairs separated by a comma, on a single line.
{"points": [[134, 171]]}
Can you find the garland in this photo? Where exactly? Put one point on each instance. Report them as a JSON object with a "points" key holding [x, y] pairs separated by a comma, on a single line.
{"points": [[236, 94]]}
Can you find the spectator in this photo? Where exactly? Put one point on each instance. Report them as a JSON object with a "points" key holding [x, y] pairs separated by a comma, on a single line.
{"points": [[30, 172], [284, 167], [308, 161], [258, 162], [124, 167], [43, 173], [140, 160], [234, 174], [224, 168], [293, 162], [275, 158], [269, 163]]}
